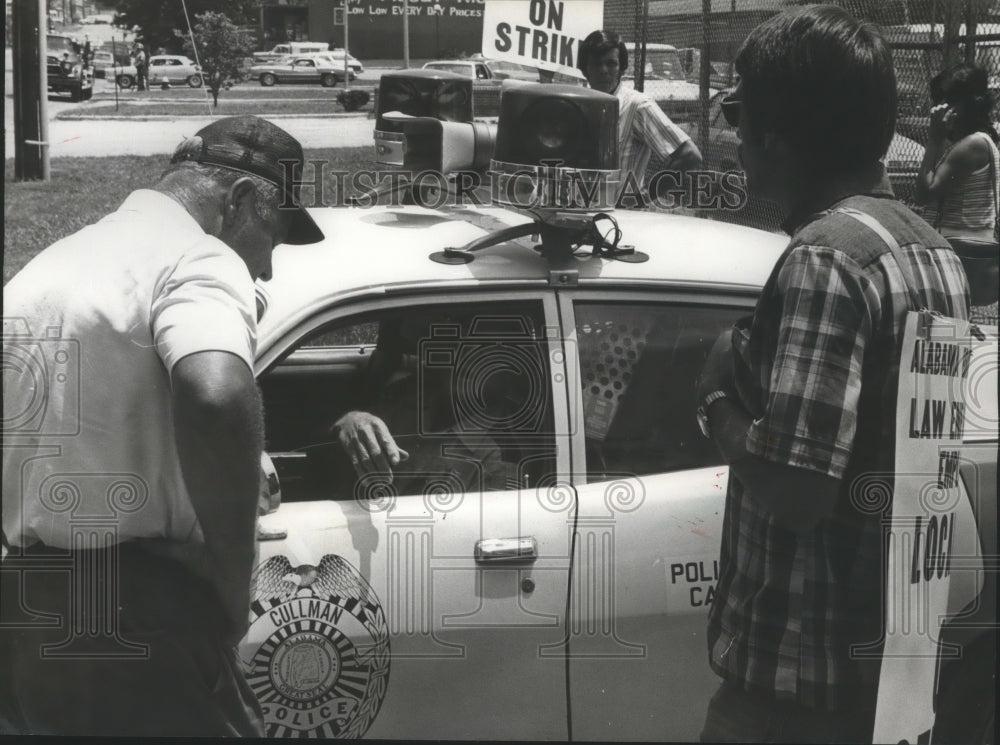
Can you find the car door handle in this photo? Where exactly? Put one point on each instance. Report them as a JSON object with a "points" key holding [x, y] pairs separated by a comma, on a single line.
{"points": [[506, 550]]}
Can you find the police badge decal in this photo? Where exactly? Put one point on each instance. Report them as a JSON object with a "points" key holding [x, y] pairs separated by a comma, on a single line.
{"points": [[317, 652]]}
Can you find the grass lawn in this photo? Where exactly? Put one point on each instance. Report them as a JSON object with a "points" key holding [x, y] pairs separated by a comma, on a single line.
{"points": [[83, 190]]}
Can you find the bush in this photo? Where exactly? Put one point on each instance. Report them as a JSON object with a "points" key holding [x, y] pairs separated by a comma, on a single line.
{"points": [[352, 100]]}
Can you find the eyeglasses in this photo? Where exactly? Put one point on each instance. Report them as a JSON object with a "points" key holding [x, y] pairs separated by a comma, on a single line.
{"points": [[731, 110]]}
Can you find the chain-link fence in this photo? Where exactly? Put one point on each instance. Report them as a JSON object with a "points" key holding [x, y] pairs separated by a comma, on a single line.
{"points": [[687, 63]]}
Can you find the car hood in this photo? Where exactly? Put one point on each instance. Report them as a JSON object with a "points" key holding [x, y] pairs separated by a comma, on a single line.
{"points": [[669, 90]]}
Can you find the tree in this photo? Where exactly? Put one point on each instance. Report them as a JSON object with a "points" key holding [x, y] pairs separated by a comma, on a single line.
{"points": [[221, 50], [156, 20]]}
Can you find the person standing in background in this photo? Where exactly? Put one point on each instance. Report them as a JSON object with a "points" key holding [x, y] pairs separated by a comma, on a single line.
{"points": [[643, 128], [959, 180]]}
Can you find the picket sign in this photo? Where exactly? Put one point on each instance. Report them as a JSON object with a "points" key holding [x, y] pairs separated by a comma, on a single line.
{"points": [[540, 33], [947, 380], [947, 395]]}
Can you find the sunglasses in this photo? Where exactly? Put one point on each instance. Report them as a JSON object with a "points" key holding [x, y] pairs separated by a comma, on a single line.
{"points": [[731, 110]]}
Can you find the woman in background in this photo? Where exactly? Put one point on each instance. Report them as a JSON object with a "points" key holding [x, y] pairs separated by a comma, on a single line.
{"points": [[958, 180]]}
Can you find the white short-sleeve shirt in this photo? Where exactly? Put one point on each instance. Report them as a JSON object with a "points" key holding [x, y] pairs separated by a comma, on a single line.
{"points": [[93, 326]]}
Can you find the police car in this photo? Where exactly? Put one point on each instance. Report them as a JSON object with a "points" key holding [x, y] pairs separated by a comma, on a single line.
{"points": [[541, 565]]}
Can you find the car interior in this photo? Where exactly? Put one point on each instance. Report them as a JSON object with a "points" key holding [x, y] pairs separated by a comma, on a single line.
{"points": [[465, 392]]}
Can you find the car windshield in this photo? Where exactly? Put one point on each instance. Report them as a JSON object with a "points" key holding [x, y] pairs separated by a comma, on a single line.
{"points": [[664, 64], [59, 44]]}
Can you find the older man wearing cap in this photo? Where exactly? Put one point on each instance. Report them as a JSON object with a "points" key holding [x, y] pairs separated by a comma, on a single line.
{"points": [[132, 439]]}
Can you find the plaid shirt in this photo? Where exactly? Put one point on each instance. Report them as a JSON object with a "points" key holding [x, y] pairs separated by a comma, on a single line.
{"points": [[643, 129], [818, 374]]}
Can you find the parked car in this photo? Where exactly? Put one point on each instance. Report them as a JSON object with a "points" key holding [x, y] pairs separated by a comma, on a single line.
{"points": [[102, 61], [541, 565], [300, 69], [174, 69], [902, 163], [485, 69], [665, 81], [336, 58]]}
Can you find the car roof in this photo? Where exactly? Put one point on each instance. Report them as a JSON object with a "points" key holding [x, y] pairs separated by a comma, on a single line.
{"points": [[384, 250]]}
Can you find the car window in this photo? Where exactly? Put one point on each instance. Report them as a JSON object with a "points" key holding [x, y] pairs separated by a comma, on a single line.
{"points": [[458, 68], [638, 366], [464, 389], [481, 73]]}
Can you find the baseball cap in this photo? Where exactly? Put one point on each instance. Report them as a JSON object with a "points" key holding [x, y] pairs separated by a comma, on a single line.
{"points": [[257, 147]]}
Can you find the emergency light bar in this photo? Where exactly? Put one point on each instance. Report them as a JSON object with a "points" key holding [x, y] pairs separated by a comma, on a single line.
{"points": [[444, 96], [428, 143], [556, 148]]}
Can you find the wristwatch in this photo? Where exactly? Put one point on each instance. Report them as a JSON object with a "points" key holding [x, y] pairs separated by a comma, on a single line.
{"points": [[702, 412]]}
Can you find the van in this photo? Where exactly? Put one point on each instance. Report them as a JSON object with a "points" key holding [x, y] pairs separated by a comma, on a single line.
{"points": [[290, 47], [665, 80]]}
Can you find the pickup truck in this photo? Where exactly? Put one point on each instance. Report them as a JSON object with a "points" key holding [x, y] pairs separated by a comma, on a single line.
{"points": [[67, 71]]}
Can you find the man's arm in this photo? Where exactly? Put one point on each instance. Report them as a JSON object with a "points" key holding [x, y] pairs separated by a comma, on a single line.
{"points": [[219, 432], [666, 139], [797, 498], [818, 363], [686, 158]]}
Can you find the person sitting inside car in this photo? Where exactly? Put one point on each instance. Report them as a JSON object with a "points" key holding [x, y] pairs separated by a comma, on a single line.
{"points": [[429, 426]]}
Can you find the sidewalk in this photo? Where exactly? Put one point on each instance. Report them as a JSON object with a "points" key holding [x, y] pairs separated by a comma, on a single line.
{"points": [[78, 139]]}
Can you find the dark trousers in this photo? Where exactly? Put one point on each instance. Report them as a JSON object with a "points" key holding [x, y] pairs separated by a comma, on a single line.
{"points": [[736, 715], [116, 645]]}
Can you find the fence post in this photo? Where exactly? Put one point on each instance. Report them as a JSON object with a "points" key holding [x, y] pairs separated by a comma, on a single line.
{"points": [[949, 51], [703, 73], [970, 32]]}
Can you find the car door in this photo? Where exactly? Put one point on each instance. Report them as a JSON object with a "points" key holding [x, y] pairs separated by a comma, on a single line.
{"points": [[303, 69], [651, 495], [431, 607]]}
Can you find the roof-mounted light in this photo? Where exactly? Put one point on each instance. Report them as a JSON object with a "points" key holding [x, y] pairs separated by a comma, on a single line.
{"points": [[556, 159], [436, 94], [556, 148]]}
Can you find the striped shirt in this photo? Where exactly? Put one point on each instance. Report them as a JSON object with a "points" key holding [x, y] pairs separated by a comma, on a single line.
{"points": [[643, 129], [969, 209], [818, 375]]}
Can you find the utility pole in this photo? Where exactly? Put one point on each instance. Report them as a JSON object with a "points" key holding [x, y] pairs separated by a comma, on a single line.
{"points": [[347, 47], [31, 115], [406, 33]]}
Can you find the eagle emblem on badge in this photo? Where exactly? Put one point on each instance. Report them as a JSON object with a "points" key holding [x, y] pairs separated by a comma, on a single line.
{"points": [[317, 652]]}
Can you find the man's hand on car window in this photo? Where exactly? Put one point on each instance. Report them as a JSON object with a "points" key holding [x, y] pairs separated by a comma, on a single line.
{"points": [[368, 443]]}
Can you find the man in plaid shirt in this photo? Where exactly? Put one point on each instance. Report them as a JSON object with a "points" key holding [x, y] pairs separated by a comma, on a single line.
{"points": [[643, 128], [800, 399]]}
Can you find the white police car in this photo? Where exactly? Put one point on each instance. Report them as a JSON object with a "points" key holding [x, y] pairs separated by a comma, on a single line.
{"points": [[541, 565]]}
